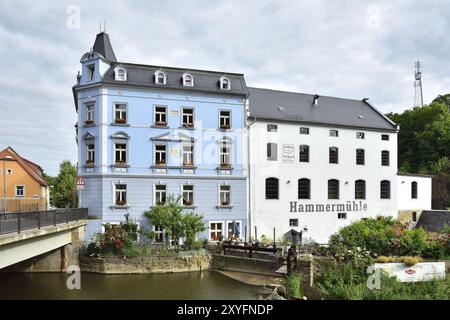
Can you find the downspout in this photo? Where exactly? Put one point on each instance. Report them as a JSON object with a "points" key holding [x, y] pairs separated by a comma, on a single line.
{"points": [[249, 192]]}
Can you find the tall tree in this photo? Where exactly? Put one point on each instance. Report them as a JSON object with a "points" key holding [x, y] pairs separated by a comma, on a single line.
{"points": [[63, 192]]}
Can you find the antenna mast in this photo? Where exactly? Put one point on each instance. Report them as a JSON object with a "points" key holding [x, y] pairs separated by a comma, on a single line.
{"points": [[418, 96]]}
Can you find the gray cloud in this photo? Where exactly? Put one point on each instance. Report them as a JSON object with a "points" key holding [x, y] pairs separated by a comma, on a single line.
{"points": [[309, 46]]}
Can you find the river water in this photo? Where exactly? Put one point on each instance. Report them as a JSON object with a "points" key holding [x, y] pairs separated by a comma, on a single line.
{"points": [[194, 285]]}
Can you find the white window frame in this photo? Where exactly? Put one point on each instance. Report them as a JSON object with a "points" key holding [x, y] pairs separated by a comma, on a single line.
{"points": [[157, 154], [186, 83], [293, 219], [91, 72], [333, 132], [160, 114], [23, 191], [187, 153], [228, 222], [161, 232], [190, 194], [90, 112], [159, 73], [187, 124], [360, 135], [90, 153], [122, 112], [121, 192], [305, 129], [225, 81], [228, 144], [225, 117], [210, 230], [158, 193], [224, 192], [123, 161], [118, 76]]}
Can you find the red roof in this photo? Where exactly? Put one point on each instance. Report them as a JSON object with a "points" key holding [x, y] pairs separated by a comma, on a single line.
{"points": [[34, 170]]}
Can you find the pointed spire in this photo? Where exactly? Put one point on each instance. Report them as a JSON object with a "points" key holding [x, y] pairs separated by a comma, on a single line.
{"points": [[103, 46]]}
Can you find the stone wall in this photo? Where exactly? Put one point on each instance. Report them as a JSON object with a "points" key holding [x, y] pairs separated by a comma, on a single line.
{"points": [[243, 264], [311, 267], [146, 264]]}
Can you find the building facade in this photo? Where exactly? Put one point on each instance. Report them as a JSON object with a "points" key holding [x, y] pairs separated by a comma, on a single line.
{"points": [[147, 133], [22, 185]]}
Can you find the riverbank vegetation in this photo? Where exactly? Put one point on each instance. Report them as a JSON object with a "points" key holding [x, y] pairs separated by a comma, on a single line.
{"points": [[293, 284]]}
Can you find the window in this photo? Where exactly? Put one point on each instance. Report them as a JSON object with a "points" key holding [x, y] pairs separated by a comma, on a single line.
{"points": [[272, 128], [216, 231], [360, 135], [233, 231], [272, 151], [293, 222], [188, 80], [121, 194], [385, 189], [224, 83], [360, 156], [188, 117], [333, 155], [304, 188], [160, 77], [271, 188], [188, 195], [120, 74], [89, 113], [333, 189], [160, 194], [160, 115], [91, 72], [159, 234], [20, 191], [360, 189], [414, 216], [385, 137], [304, 130], [90, 154], [225, 153], [225, 119], [9, 172], [414, 190], [225, 195], [334, 133], [160, 154], [120, 153], [120, 112], [385, 158], [188, 154], [304, 153], [342, 215]]}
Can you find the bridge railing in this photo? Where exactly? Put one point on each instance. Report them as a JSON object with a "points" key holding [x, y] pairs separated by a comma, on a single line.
{"points": [[16, 222]]}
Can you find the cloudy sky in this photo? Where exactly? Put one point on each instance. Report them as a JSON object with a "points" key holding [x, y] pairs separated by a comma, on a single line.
{"points": [[340, 48]]}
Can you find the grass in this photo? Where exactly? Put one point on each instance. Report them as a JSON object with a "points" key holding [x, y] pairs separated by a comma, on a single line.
{"points": [[293, 285]]}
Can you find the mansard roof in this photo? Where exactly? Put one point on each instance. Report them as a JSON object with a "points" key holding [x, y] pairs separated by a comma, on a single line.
{"points": [[273, 105], [103, 46]]}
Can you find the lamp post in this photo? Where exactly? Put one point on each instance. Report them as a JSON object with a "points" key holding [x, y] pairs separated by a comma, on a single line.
{"points": [[7, 158]]}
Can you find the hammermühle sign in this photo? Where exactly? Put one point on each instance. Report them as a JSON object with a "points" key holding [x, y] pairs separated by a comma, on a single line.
{"points": [[349, 206]]}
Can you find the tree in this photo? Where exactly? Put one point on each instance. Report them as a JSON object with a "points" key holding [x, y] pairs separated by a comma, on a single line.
{"points": [[63, 192], [174, 222]]}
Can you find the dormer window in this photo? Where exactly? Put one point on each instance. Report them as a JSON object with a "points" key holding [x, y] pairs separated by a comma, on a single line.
{"points": [[91, 72], [224, 83], [188, 80], [160, 77], [120, 74]]}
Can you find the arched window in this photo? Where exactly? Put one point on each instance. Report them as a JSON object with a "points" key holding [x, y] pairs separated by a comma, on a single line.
{"points": [[272, 188], [120, 74], [414, 190], [160, 77], [224, 83], [188, 80], [360, 156], [304, 188], [385, 158], [385, 189], [333, 189], [304, 153], [360, 189], [272, 151], [334, 155]]}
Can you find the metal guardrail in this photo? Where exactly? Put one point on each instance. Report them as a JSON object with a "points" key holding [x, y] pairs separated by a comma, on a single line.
{"points": [[247, 248], [16, 222]]}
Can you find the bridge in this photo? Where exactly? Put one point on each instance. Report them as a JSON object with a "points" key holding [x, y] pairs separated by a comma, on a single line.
{"points": [[53, 236]]}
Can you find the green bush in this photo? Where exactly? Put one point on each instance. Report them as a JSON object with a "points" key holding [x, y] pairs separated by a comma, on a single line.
{"points": [[293, 285]]}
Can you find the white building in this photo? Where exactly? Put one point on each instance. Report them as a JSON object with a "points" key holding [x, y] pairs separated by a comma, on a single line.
{"points": [[319, 163]]}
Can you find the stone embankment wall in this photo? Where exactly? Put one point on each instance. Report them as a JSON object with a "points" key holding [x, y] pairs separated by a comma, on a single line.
{"points": [[243, 264], [142, 265]]}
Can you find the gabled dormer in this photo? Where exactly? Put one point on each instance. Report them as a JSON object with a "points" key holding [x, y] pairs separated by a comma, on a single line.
{"points": [[95, 63]]}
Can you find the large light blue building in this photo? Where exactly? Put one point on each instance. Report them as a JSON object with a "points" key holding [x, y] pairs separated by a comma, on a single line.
{"points": [[147, 132]]}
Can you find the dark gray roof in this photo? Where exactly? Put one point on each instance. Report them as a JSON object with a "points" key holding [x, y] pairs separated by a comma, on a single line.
{"points": [[204, 81], [433, 220], [103, 46], [266, 104]]}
